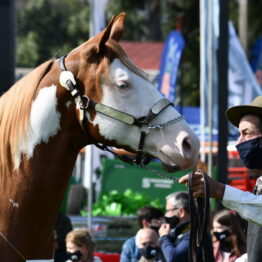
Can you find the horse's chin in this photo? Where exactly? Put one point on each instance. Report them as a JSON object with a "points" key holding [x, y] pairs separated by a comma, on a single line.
{"points": [[171, 169]]}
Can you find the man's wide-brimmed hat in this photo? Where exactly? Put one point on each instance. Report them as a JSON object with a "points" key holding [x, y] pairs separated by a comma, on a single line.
{"points": [[235, 113]]}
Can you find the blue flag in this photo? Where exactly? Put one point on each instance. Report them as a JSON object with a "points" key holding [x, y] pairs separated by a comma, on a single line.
{"points": [[173, 48], [256, 61], [242, 84]]}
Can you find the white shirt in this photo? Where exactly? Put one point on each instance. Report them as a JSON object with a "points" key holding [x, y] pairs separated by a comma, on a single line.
{"points": [[248, 205], [243, 258]]}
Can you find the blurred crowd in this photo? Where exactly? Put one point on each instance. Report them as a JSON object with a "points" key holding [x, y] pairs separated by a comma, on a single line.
{"points": [[162, 236]]}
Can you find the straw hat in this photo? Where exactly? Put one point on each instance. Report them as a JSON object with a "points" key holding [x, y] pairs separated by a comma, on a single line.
{"points": [[235, 113]]}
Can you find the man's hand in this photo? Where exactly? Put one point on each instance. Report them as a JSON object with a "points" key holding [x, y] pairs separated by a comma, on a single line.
{"points": [[216, 189], [164, 230]]}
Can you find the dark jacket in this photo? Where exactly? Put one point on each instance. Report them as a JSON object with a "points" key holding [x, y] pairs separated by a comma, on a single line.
{"points": [[175, 246]]}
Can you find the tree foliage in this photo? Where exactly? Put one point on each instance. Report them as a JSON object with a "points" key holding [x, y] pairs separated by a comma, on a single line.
{"points": [[184, 16], [48, 28]]}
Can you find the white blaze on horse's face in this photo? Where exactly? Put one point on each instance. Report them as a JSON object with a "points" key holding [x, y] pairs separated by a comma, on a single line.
{"points": [[174, 145]]}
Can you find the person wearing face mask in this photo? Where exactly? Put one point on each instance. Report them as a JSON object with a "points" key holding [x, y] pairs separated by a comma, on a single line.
{"points": [[147, 217], [175, 233], [229, 242], [80, 246], [248, 119], [147, 242]]}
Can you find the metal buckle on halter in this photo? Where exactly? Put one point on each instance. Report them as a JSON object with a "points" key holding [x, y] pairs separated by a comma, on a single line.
{"points": [[145, 129]]}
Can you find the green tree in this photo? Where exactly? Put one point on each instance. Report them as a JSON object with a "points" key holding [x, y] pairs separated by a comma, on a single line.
{"points": [[47, 28], [184, 16], [135, 22]]}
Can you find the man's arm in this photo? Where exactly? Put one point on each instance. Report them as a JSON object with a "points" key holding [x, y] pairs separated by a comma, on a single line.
{"points": [[216, 189], [248, 205], [174, 252]]}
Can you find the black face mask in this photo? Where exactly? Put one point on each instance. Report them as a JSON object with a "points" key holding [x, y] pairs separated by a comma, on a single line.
{"points": [[149, 252], [222, 236], [225, 246], [250, 153], [74, 256], [155, 228], [172, 221]]}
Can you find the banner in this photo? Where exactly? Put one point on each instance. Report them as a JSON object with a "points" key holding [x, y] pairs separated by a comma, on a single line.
{"points": [[256, 61], [173, 49], [242, 84]]}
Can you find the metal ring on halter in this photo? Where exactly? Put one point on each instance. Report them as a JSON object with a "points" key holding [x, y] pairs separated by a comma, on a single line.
{"points": [[146, 129], [85, 105]]}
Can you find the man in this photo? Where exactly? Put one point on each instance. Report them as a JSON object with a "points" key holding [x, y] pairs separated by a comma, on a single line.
{"points": [[148, 217], [174, 235], [248, 119], [148, 244]]}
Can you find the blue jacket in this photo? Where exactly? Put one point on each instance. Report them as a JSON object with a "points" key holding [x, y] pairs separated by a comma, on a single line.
{"points": [[175, 247], [130, 252]]}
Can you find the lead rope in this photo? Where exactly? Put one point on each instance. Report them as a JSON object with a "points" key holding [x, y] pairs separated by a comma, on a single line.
{"points": [[12, 246], [199, 218]]}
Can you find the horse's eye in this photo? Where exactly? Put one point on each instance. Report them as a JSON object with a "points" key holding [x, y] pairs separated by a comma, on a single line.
{"points": [[122, 85]]}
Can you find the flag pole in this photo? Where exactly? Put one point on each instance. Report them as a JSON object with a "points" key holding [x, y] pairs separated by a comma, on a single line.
{"points": [[202, 78], [222, 59], [89, 148], [210, 86]]}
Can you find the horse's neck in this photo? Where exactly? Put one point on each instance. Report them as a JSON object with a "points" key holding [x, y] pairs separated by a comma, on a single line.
{"points": [[33, 193]]}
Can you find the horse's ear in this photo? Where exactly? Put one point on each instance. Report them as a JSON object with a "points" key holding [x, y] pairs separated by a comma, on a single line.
{"points": [[106, 33], [114, 30], [118, 27]]}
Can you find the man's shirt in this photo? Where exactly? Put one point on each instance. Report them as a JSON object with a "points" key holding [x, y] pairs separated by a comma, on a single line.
{"points": [[248, 205]]}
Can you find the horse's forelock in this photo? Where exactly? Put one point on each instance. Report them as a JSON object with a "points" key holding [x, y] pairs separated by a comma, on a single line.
{"points": [[119, 53]]}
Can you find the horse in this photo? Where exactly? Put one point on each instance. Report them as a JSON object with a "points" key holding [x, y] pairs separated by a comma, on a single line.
{"points": [[93, 95]]}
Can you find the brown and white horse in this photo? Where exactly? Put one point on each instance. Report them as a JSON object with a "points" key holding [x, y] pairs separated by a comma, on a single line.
{"points": [[57, 109]]}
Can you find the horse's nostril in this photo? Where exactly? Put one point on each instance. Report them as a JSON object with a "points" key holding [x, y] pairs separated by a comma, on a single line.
{"points": [[186, 146]]}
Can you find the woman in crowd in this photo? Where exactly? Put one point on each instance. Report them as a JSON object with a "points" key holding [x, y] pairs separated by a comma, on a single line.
{"points": [[80, 246], [229, 239]]}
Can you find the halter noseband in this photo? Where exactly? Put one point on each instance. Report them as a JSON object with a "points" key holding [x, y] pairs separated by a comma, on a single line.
{"points": [[67, 80]]}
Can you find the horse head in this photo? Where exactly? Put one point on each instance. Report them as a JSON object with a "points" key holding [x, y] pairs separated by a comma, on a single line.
{"points": [[123, 109]]}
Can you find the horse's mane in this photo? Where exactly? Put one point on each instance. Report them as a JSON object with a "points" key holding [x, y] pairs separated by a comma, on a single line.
{"points": [[15, 107]]}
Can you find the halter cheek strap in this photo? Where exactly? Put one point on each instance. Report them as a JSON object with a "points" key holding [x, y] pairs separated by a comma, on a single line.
{"points": [[68, 81]]}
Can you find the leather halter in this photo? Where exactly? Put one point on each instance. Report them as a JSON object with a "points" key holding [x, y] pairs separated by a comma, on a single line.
{"points": [[143, 122]]}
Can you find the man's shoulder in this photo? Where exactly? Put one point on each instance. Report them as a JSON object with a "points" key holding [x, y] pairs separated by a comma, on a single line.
{"points": [[130, 251], [130, 244], [131, 240]]}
